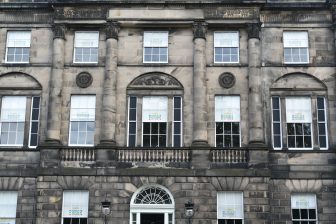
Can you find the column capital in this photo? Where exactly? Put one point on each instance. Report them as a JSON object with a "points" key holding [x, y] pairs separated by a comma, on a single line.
{"points": [[200, 28], [59, 30], [253, 30], [333, 13], [112, 30]]}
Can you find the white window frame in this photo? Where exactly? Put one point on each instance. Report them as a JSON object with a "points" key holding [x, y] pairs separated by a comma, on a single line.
{"points": [[228, 121], [277, 148], [10, 217], [136, 119], [216, 33], [79, 193], [312, 196], [155, 45], [166, 98], [31, 120], [218, 204], [77, 120], [97, 47], [311, 123], [173, 121], [305, 45], [12, 121], [7, 46], [325, 122]]}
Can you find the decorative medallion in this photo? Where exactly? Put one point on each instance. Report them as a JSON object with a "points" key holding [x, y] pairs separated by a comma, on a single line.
{"points": [[227, 80], [84, 80]]}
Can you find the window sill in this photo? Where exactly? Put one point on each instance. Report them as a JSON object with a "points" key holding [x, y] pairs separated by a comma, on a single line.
{"points": [[227, 65], [296, 64], [95, 64]]}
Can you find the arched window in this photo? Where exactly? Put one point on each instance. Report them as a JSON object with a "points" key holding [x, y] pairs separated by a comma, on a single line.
{"points": [[299, 112], [154, 102], [152, 204]]}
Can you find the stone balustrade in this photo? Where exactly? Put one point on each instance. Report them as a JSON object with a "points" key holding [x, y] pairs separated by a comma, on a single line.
{"points": [[155, 155], [78, 154], [229, 156]]}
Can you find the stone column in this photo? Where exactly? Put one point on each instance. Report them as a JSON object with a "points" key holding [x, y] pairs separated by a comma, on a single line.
{"points": [[200, 137], [55, 85], [255, 106], [109, 88]]}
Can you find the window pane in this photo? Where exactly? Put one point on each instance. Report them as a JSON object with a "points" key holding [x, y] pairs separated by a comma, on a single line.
{"points": [[219, 140], [227, 128], [219, 128], [155, 128], [154, 141], [306, 129], [323, 141], [235, 128], [298, 129], [146, 140], [132, 127], [146, 128], [321, 116], [177, 128], [177, 115], [307, 142], [276, 128], [236, 141], [299, 141], [304, 214], [312, 214], [66, 220], [162, 139], [320, 103], [276, 115], [296, 213], [177, 140], [277, 141], [227, 141], [291, 141], [290, 129], [162, 128]]}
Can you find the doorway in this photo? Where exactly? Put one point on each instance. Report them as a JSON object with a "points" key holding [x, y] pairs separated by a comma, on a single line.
{"points": [[152, 218]]}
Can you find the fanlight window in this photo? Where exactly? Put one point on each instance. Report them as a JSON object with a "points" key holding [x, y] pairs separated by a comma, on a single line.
{"points": [[152, 195]]}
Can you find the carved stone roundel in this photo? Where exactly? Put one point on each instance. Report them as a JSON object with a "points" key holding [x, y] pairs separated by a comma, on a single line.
{"points": [[227, 80], [84, 80]]}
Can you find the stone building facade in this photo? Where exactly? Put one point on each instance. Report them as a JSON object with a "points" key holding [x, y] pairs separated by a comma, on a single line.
{"points": [[226, 104]]}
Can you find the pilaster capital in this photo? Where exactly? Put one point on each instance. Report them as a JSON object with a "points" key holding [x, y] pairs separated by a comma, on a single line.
{"points": [[253, 30], [333, 13], [59, 30], [200, 28], [112, 30]]}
